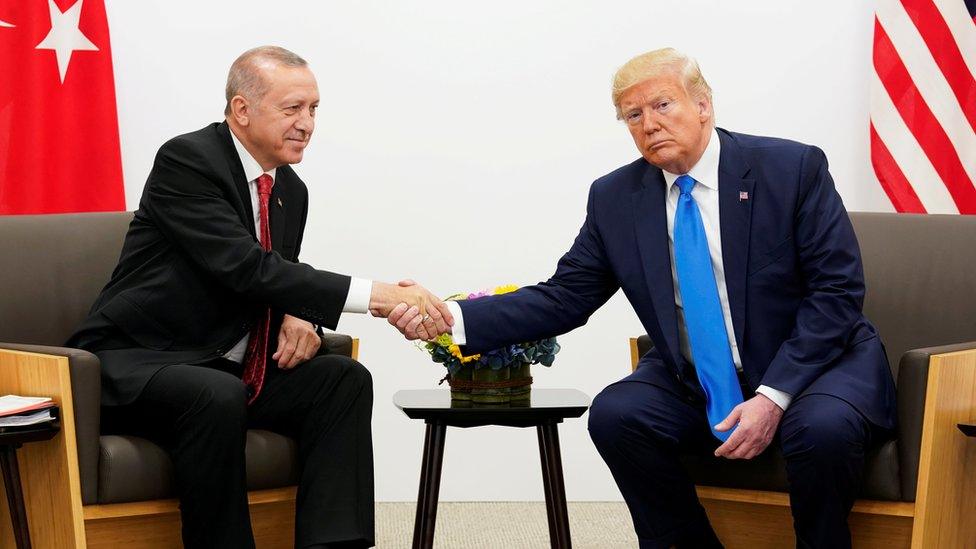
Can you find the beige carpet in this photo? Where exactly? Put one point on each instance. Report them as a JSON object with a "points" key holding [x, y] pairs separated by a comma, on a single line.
{"points": [[506, 525]]}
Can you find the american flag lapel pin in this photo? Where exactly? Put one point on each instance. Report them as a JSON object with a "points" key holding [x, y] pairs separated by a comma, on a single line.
{"points": [[743, 196]]}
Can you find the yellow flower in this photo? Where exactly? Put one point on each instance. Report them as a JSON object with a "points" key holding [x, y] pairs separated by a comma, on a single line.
{"points": [[445, 340], [456, 351], [505, 289]]}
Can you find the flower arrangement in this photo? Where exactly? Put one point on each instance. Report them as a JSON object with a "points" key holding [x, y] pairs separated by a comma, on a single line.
{"points": [[497, 376]]}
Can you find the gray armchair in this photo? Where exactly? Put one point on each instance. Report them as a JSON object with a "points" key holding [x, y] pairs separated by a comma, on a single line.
{"points": [[920, 273], [117, 489]]}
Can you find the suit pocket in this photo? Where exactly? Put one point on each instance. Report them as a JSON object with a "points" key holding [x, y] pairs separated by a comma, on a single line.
{"points": [[774, 254], [137, 324]]}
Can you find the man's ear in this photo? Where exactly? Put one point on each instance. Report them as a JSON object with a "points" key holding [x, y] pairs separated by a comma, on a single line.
{"points": [[240, 110], [704, 109]]}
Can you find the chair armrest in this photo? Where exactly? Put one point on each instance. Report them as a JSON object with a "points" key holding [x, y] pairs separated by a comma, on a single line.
{"points": [[86, 394], [639, 346], [339, 344], [913, 373]]}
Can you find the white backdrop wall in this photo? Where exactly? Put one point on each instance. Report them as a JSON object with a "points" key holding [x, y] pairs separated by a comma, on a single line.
{"points": [[455, 145]]}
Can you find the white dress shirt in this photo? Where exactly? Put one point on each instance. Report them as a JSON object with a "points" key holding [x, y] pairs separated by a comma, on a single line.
{"points": [[705, 193], [357, 300]]}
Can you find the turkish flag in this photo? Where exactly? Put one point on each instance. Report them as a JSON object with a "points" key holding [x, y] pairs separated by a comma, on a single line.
{"points": [[59, 130]]}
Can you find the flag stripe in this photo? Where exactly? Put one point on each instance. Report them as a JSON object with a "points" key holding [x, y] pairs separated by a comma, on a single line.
{"points": [[963, 28], [946, 53], [892, 180], [922, 123], [927, 77], [908, 155], [971, 7]]}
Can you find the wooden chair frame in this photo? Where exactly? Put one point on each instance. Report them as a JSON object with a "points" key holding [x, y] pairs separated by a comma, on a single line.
{"points": [[940, 516], [52, 483]]}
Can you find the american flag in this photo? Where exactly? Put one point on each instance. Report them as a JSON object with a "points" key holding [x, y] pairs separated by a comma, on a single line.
{"points": [[923, 104]]}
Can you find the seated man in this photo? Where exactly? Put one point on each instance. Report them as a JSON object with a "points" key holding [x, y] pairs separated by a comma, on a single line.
{"points": [[738, 256], [208, 273]]}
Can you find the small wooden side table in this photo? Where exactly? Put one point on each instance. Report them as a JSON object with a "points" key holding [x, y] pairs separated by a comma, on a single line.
{"points": [[544, 410], [10, 440]]}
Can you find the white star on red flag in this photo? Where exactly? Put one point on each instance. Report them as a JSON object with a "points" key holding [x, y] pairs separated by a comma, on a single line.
{"points": [[65, 37], [59, 132]]}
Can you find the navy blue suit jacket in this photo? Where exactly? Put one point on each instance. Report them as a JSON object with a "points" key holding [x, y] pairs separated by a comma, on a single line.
{"points": [[792, 264]]}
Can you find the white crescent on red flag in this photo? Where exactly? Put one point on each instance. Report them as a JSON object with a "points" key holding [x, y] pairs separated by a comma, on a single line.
{"points": [[59, 131]]}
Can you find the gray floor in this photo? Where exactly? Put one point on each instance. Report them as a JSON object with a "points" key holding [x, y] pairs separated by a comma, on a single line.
{"points": [[507, 525]]}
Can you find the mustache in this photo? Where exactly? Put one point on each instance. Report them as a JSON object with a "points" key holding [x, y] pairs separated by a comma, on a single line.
{"points": [[300, 135]]}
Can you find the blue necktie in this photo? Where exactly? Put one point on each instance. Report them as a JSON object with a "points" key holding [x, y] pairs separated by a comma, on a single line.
{"points": [[703, 311]]}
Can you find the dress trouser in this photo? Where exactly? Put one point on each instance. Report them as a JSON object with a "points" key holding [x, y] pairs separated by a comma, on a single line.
{"points": [[198, 413], [641, 428]]}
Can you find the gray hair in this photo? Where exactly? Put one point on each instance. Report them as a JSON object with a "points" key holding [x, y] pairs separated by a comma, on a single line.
{"points": [[245, 78], [654, 63]]}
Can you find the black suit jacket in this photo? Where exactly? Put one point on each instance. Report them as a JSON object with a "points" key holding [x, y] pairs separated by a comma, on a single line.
{"points": [[192, 274]]}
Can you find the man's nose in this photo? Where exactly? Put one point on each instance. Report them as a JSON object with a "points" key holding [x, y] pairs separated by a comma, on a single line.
{"points": [[305, 122], [651, 123]]}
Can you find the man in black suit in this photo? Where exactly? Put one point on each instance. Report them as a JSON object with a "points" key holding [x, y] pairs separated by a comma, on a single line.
{"points": [[184, 329]]}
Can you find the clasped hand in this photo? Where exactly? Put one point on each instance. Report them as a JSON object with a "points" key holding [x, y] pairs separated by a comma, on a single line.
{"points": [[421, 313], [757, 420], [297, 342]]}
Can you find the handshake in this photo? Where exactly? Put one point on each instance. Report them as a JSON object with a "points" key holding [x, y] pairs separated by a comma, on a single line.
{"points": [[411, 309]]}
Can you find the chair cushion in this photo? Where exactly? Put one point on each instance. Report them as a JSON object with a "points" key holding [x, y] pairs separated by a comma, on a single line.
{"points": [[767, 471], [135, 469]]}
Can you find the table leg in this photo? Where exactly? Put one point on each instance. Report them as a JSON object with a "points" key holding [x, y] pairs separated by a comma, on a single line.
{"points": [[547, 488], [422, 492], [552, 471], [430, 482], [15, 496]]}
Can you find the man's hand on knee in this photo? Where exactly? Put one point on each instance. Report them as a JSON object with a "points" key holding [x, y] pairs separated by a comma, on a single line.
{"points": [[757, 419], [297, 342]]}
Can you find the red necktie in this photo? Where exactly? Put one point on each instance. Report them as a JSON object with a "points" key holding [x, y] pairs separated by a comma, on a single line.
{"points": [[257, 345]]}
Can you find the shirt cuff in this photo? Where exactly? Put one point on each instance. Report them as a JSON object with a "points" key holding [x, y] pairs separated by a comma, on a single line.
{"points": [[457, 331], [357, 300], [780, 398]]}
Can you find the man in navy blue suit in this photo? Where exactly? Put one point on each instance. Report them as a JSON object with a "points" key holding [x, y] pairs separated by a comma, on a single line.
{"points": [[738, 256]]}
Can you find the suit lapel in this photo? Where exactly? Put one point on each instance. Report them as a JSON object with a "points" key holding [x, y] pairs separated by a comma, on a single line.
{"points": [[237, 173], [736, 195], [276, 209], [651, 224]]}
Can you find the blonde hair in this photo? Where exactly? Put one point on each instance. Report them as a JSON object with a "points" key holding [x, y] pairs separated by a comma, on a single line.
{"points": [[654, 63]]}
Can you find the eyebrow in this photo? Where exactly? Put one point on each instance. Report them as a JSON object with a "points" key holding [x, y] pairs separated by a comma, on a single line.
{"points": [[290, 102], [666, 94]]}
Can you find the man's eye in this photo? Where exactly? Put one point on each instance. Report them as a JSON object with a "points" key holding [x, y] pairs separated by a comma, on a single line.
{"points": [[633, 116], [663, 105]]}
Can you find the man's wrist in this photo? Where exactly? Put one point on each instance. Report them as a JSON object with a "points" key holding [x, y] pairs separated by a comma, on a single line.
{"points": [[360, 296], [779, 398], [457, 331]]}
